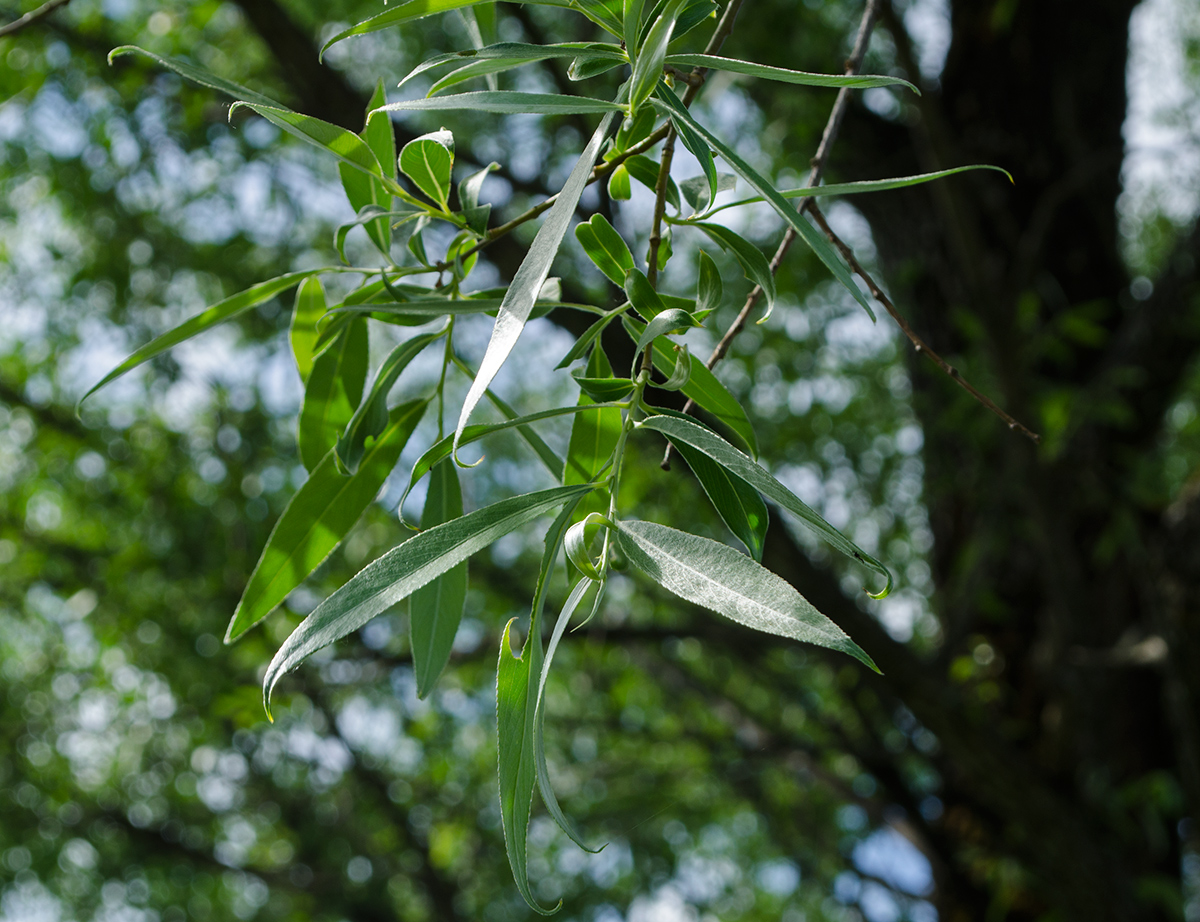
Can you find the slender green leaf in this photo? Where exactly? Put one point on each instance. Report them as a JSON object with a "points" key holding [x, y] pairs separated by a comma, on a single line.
{"points": [[205, 320], [372, 414], [198, 75], [370, 215], [632, 22], [514, 54], [348, 147], [468, 199], [333, 392], [310, 307], [405, 569], [534, 269], [318, 518], [379, 134], [436, 609], [709, 287], [758, 270], [648, 64], [671, 320], [585, 68], [364, 190], [591, 334], [645, 171], [507, 102], [870, 185], [720, 579], [602, 56], [428, 161], [783, 75], [689, 433], [704, 388], [668, 103], [545, 453]]}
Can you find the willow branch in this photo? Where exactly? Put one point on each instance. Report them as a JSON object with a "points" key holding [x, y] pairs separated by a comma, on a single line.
{"points": [[832, 126], [919, 344], [32, 16]]}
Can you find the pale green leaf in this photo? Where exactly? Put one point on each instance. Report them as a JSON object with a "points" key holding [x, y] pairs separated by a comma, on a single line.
{"points": [[783, 75], [403, 570], [507, 102], [333, 392], [428, 161], [198, 75], [310, 307], [716, 577], [709, 287], [704, 440]]}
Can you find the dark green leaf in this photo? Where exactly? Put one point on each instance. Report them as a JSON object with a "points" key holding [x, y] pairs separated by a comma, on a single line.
{"points": [[594, 436], [648, 62], [645, 171], [605, 390], [758, 270], [333, 392], [436, 609], [317, 518], [671, 320], [605, 247], [642, 295], [310, 307]]}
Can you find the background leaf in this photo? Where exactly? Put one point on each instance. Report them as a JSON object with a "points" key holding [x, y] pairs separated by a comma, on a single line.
{"points": [[333, 392]]}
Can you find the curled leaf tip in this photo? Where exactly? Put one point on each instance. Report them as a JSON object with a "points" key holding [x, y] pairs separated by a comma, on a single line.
{"points": [[885, 591]]}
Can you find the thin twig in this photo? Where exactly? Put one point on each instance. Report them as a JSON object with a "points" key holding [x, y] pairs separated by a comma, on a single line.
{"points": [[32, 16], [832, 126], [918, 343]]}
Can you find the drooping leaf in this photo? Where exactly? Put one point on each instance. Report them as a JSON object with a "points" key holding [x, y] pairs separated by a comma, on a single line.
{"points": [[507, 102], [716, 577], [428, 161], [699, 149], [685, 431], [758, 270], [605, 247], [345, 145], [436, 609], [403, 570], [310, 307], [668, 103], [333, 392], [205, 320], [783, 75], [371, 416], [709, 287], [704, 388], [198, 75], [318, 518], [679, 378], [514, 54], [534, 269], [593, 57]]}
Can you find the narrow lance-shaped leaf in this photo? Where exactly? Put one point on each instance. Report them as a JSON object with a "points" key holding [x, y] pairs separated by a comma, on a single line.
{"points": [[206, 320], [589, 335], [709, 287], [534, 269], [364, 190], [783, 75], [403, 570], [507, 102], [468, 199], [318, 518], [512, 54], [310, 307], [648, 65], [598, 56], [716, 577], [199, 76], [516, 719], [758, 270], [685, 431], [868, 185], [415, 9], [333, 392], [371, 416], [705, 389], [668, 103], [436, 609]]}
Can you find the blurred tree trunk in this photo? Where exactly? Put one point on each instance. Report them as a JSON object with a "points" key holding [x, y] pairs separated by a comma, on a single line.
{"points": [[1069, 741]]}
